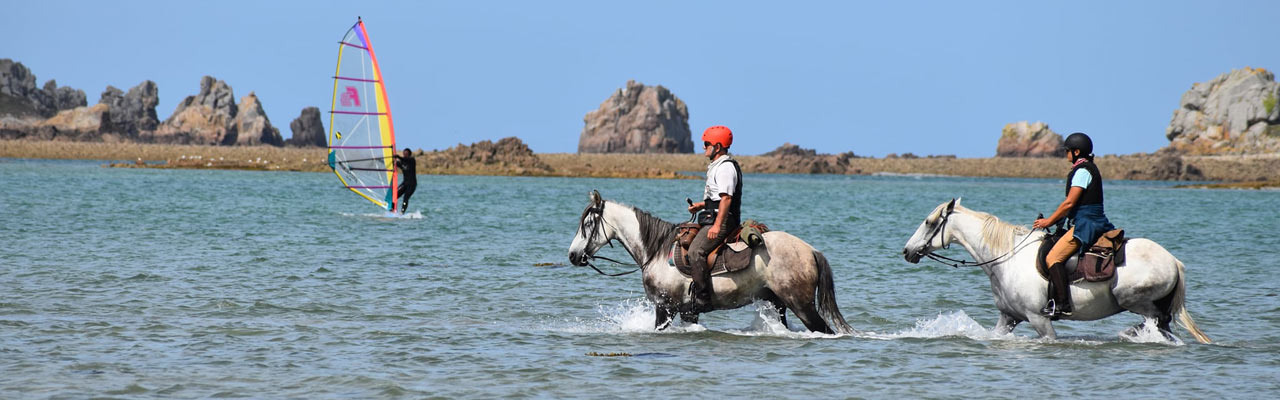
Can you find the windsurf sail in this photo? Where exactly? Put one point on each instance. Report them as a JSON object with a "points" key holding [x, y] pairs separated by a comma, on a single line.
{"points": [[362, 139]]}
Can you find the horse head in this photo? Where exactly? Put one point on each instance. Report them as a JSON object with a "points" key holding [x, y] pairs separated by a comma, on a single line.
{"points": [[592, 232], [931, 235]]}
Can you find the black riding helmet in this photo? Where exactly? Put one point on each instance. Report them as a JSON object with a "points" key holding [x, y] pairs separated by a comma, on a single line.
{"points": [[1079, 141]]}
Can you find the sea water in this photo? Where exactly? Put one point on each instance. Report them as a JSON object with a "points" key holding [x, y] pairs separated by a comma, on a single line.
{"points": [[140, 283]]}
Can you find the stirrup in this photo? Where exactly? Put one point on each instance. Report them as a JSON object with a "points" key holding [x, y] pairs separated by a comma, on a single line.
{"points": [[1052, 310]]}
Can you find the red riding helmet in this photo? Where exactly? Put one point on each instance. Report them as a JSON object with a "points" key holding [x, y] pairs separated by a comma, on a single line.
{"points": [[718, 134]]}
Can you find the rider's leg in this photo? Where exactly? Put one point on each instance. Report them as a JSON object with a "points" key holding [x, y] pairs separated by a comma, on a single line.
{"points": [[698, 251], [1059, 288], [405, 193]]}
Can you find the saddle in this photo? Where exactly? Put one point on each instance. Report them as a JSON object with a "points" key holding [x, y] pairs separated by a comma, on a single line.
{"points": [[1097, 264], [735, 254]]}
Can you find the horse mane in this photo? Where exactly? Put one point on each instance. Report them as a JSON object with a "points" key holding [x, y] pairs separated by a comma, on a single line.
{"points": [[998, 235], [654, 232]]}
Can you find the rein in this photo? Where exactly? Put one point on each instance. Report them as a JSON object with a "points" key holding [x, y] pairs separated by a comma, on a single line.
{"points": [[954, 263]]}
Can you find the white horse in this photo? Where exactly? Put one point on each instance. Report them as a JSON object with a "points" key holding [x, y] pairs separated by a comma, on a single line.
{"points": [[1151, 283], [786, 272]]}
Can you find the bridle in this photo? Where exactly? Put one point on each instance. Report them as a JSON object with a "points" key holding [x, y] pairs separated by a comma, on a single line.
{"points": [[596, 211], [954, 263]]}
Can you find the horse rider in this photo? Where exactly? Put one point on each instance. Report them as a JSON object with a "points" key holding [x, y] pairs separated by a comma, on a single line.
{"points": [[409, 183], [721, 205], [1084, 211]]}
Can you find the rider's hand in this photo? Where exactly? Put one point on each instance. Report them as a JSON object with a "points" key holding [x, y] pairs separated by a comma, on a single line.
{"points": [[695, 207], [713, 232], [1041, 223]]}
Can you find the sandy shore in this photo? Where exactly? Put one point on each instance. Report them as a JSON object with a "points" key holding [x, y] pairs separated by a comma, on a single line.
{"points": [[1253, 171]]}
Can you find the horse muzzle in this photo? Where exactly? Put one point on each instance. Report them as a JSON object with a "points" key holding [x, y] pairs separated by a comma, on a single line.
{"points": [[912, 256], [578, 259]]}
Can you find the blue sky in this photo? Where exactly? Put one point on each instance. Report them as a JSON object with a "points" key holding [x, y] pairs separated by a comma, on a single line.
{"points": [[872, 78]]}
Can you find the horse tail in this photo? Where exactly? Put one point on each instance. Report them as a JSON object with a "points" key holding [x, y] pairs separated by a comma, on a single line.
{"points": [[1178, 306], [827, 296]]}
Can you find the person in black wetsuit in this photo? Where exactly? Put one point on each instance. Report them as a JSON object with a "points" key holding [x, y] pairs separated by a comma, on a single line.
{"points": [[408, 169]]}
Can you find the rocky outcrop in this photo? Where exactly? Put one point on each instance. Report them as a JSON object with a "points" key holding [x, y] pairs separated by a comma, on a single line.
{"points": [[1235, 113], [307, 129], [209, 117], [638, 119], [131, 113], [790, 158], [252, 126], [1022, 139], [64, 98], [508, 154], [20, 98]]}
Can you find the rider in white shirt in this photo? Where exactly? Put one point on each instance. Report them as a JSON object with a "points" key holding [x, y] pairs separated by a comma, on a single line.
{"points": [[721, 201]]}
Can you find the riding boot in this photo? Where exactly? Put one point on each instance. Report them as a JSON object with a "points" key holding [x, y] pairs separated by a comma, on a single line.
{"points": [[1062, 293], [702, 290], [1059, 303]]}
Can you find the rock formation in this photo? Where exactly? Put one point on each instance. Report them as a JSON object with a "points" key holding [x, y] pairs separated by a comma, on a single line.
{"points": [[209, 117], [638, 119], [790, 158], [132, 113], [307, 129], [60, 113], [252, 125], [20, 98], [507, 154], [1021, 139], [1235, 113], [64, 98]]}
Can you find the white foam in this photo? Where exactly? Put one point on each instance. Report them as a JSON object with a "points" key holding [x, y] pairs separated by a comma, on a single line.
{"points": [[1148, 332], [637, 316], [953, 324], [387, 215]]}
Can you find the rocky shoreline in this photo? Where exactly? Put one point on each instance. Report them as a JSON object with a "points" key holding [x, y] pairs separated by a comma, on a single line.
{"points": [[510, 157]]}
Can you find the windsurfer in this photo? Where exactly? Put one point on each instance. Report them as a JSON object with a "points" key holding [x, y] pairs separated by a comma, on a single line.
{"points": [[409, 181]]}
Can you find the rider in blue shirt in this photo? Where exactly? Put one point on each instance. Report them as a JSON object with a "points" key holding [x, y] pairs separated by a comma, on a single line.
{"points": [[1085, 215]]}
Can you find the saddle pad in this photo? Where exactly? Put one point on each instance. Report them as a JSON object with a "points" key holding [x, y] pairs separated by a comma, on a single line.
{"points": [[1099, 262], [732, 257]]}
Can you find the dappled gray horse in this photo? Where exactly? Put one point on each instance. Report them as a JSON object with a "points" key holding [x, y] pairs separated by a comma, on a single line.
{"points": [[1151, 283], [785, 271]]}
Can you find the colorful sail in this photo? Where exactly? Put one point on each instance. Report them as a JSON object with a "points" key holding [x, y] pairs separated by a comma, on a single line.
{"points": [[362, 139]]}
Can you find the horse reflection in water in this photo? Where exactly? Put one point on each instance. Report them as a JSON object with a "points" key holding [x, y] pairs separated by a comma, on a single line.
{"points": [[1151, 283], [786, 271]]}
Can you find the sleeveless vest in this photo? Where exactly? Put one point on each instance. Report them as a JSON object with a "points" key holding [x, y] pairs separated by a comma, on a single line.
{"points": [[735, 207], [1093, 193]]}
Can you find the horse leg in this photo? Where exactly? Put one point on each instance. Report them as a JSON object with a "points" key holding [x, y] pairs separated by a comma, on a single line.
{"points": [[1006, 323], [1165, 305], [1151, 311], [689, 318], [662, 319], [808, 314], [1042, 325], [776, 302]]}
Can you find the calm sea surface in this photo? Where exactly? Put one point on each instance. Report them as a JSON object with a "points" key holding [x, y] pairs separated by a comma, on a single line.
{"points": [[177, 284]]}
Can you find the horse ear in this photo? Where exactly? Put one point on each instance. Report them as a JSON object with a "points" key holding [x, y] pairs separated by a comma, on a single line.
{"points": [[595, 197], [952, 205]]}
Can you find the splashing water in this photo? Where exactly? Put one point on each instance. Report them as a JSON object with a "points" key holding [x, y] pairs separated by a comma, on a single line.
{"points": [[956, 323], [387, 215], [637, 316], [1148, 332]]}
